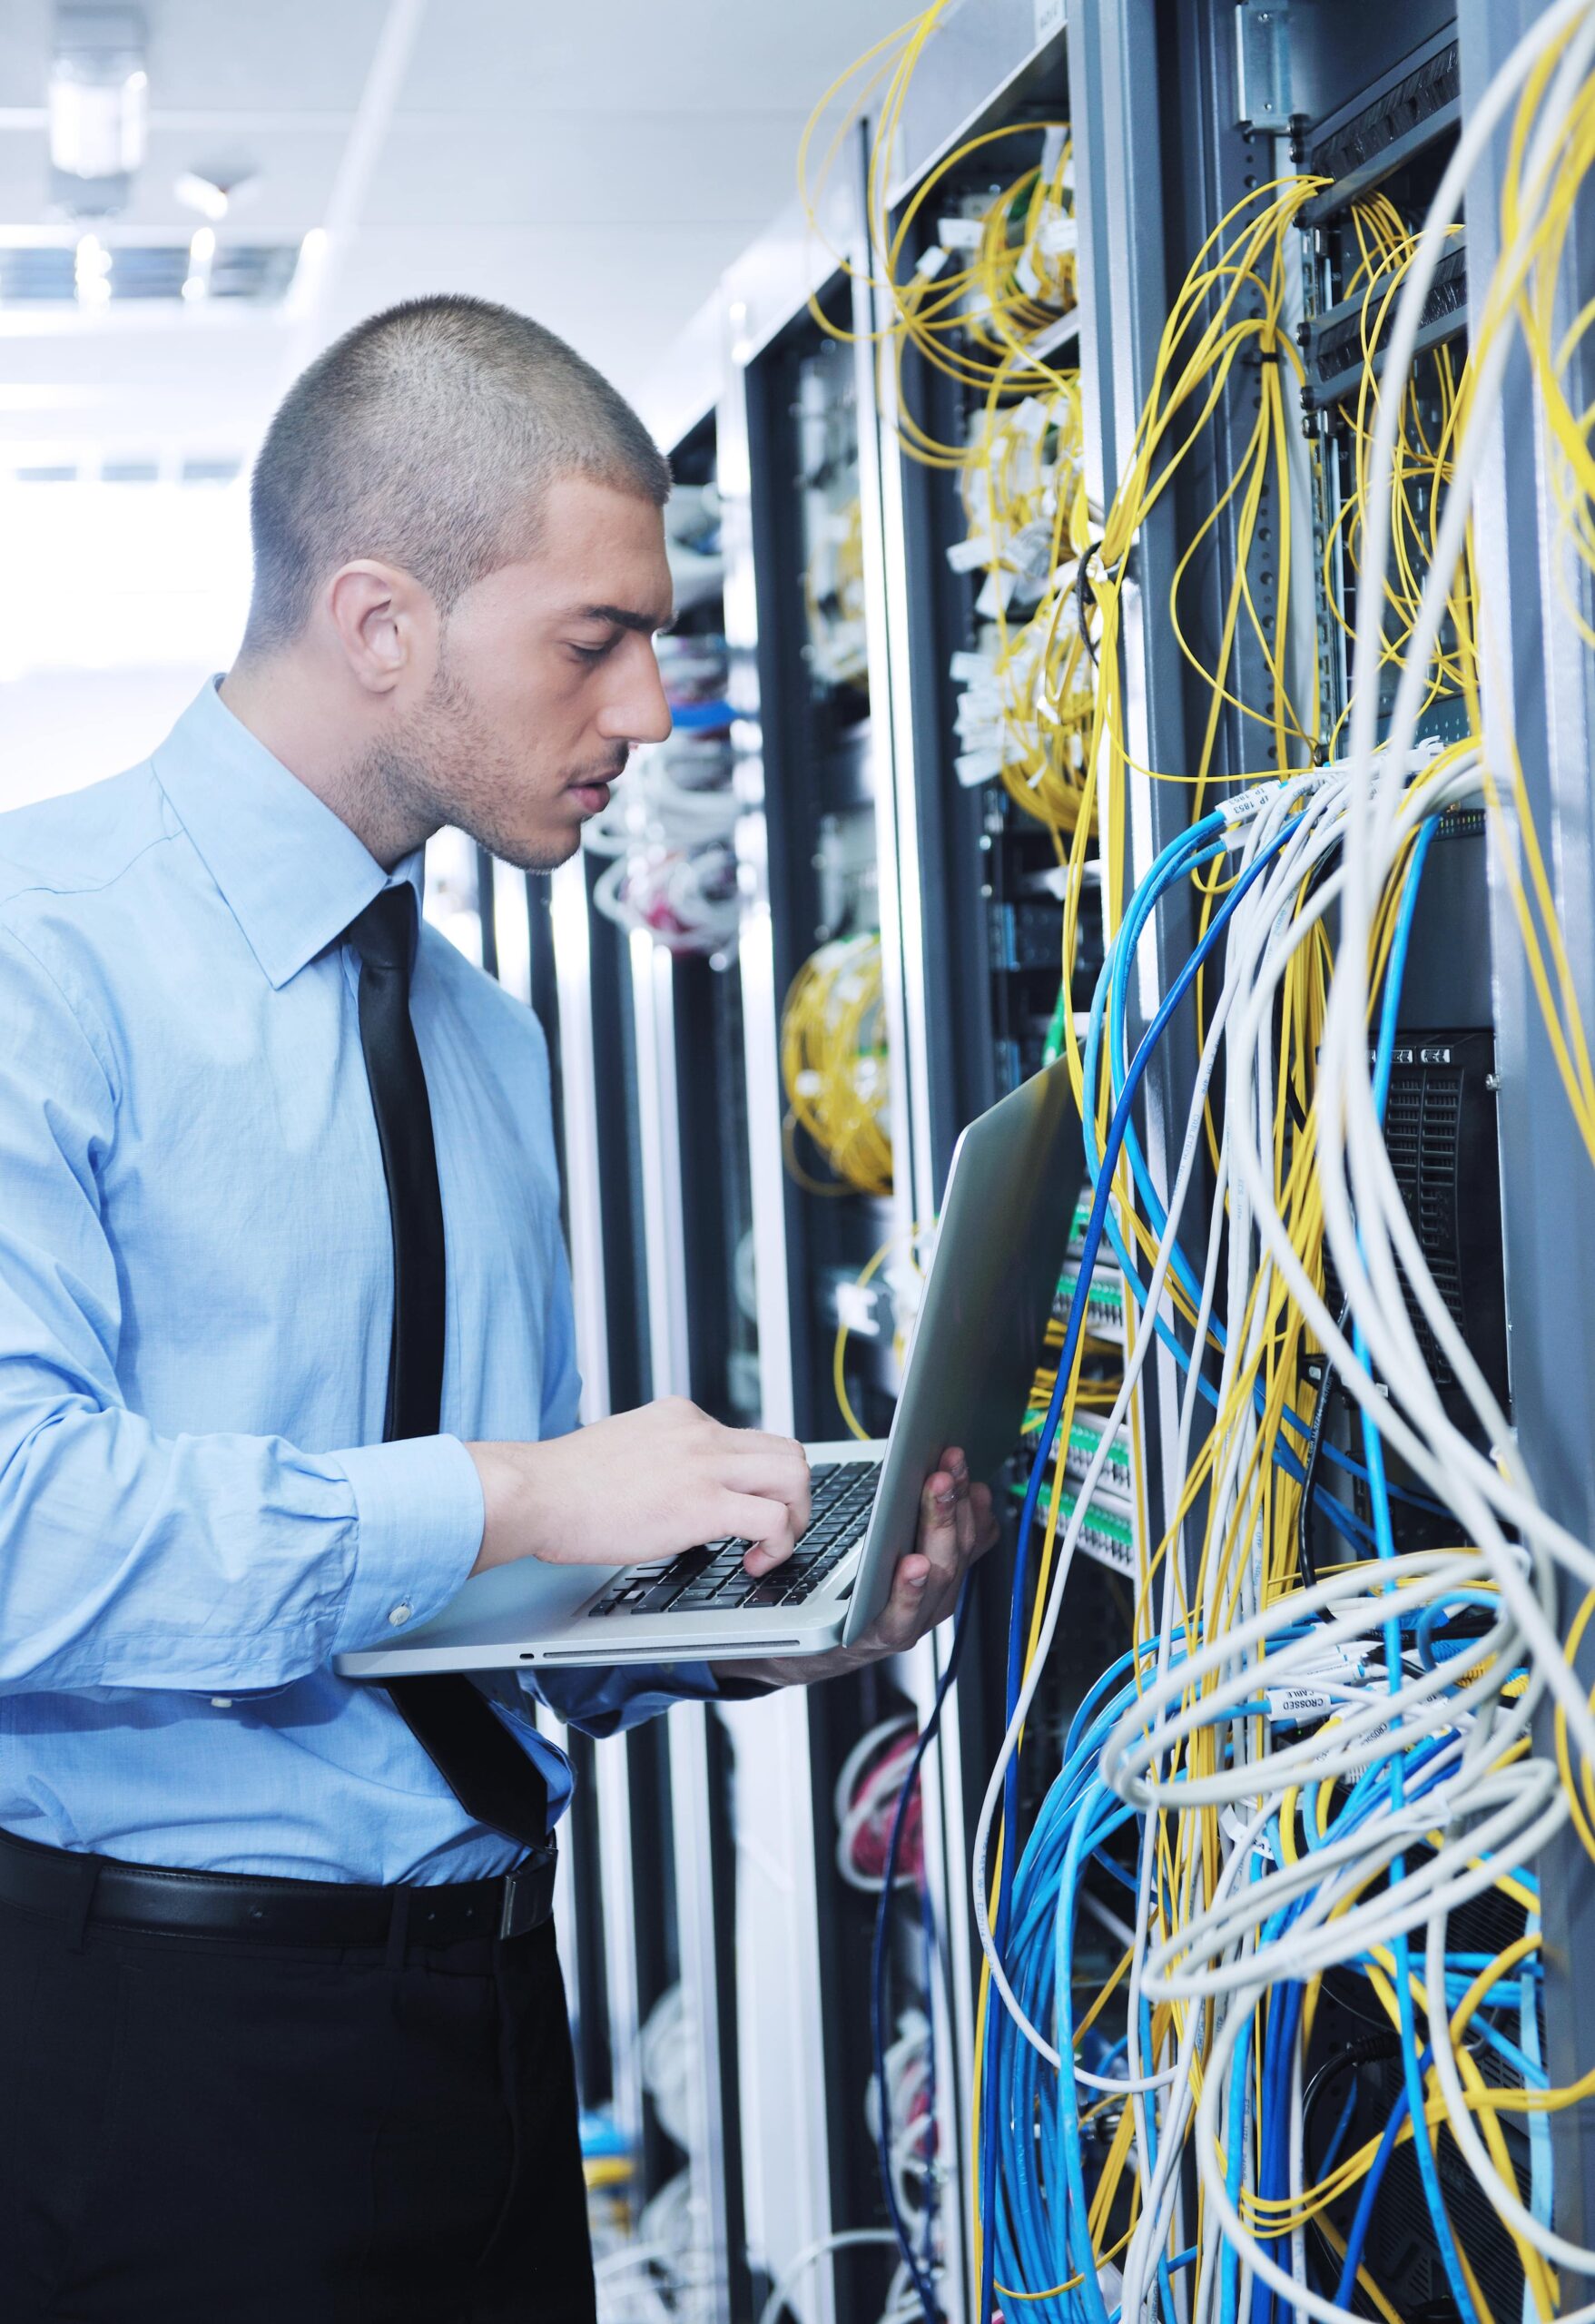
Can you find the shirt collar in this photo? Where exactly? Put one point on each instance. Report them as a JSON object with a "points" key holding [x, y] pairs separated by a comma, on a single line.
{"points": [[290, 872]]}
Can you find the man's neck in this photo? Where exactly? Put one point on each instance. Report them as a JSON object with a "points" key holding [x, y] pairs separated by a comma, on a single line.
{"points": [[283, 704]]}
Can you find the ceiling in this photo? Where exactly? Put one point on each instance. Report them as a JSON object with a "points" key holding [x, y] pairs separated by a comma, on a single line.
{"points": [[597, 166]]}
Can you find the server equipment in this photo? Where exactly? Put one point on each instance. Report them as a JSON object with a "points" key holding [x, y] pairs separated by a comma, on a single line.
{"points": [[1109, 675], [1253, 601], [824, 1061]]}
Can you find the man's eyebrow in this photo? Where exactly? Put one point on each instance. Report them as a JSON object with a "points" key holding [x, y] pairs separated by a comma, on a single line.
{"points": [[628, 617]]}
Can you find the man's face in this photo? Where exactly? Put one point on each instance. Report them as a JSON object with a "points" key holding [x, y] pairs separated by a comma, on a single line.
{"points": [[546, 678]]}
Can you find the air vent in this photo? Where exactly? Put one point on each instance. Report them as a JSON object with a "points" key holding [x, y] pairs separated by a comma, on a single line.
{"points": [[1439, 1133], [1420, 1123], [46, 274]]}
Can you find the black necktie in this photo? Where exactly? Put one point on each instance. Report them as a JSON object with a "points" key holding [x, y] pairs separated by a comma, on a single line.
{"points": [[492, 1778]]}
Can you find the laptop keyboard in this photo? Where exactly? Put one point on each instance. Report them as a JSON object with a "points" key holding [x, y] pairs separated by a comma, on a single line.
{"points": [[712, 1579]]}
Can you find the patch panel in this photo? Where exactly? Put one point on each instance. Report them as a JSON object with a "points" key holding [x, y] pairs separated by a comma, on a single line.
{"points": [[1108, 1535], [1104, 1307], [1118, 1476]]}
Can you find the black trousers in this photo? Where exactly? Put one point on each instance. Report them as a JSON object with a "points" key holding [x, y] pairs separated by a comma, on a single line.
{"points": [[205, 2132]]}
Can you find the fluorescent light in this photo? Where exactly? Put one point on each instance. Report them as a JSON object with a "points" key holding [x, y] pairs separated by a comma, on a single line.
{"points": [[98, 93], [204, 194], [96, 128], [201, 251], [92, 271]]}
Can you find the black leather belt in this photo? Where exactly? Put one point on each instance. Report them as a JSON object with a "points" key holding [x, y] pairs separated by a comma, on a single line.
{"points": [[57, 1882]]}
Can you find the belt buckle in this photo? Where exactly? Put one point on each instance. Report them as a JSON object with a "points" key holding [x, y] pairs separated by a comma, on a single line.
{"points": [[523, 1892], [514, 1889]]}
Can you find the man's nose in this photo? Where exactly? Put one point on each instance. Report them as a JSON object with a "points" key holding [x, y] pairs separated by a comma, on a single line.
{"points": [[641, 712]]}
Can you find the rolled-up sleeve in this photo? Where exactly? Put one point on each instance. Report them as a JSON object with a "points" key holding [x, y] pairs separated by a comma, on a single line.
{"points": [[128, 1558]]}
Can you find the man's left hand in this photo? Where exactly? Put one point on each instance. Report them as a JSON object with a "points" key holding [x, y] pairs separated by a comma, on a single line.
{"points": [[957, 1525]]}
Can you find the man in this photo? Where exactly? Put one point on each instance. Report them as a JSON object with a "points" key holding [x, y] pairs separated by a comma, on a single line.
{"points": [[286, 1355]]}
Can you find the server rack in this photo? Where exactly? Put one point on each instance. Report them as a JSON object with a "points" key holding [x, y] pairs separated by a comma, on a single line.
{"points": [[980, 912], [1537, 688], [687, 1001], [799, 475], [695, 1220], [1177, 111], [822, 769], [644, 1924], [503, 920], [1181, 113]]}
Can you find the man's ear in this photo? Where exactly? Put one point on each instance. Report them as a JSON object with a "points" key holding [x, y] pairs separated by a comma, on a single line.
{"points": [[384, 623]]}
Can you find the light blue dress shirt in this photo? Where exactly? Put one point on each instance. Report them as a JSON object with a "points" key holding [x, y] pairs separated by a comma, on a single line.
{"points": [[196, 1508]]}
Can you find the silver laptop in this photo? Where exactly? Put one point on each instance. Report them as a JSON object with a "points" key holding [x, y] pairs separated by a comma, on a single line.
{"points": [[981, 1329]]}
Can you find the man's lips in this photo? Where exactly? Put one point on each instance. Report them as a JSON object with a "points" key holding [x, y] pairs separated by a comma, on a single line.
{"points": [[591, 792]]}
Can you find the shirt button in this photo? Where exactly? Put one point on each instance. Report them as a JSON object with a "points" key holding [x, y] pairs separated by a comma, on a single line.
{"points": [[221, 1702], [399, 1615]]}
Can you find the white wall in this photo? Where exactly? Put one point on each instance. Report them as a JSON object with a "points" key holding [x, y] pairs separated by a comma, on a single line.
{"points": [[60, 729], [116, 601]]}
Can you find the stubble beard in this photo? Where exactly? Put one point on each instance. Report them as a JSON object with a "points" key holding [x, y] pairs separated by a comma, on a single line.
{"points": [[446, 767]]}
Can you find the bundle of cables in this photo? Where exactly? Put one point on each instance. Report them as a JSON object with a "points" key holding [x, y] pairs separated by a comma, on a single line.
{"points": [[833, 596], [833, 1068], [1336, 1725], [905, 2126], [1290, 1777], [979, 285], [1025, 710], [668, 2269], [865, 1802], [1421, 473], [977, 304], [693, 543], [979, 299], [666, 2273], [669, 827]]}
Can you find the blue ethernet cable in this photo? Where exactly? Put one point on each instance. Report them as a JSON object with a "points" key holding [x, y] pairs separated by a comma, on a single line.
{"points": [[1038, 2219], [1363, 2218], [1188, 973], [1027, 2236], [1103, 1813]]}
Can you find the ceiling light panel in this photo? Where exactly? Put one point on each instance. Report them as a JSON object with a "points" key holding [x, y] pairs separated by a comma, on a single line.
{"points": [[98, 92], [93, 273]]}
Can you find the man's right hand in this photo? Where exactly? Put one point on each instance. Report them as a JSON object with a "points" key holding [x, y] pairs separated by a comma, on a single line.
{"points": [[642, 1485]]}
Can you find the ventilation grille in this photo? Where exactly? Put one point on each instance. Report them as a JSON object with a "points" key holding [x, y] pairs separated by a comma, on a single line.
{"points": [[1440, 1133], [1422, 1121], [1392, 119], [46, 274]]}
